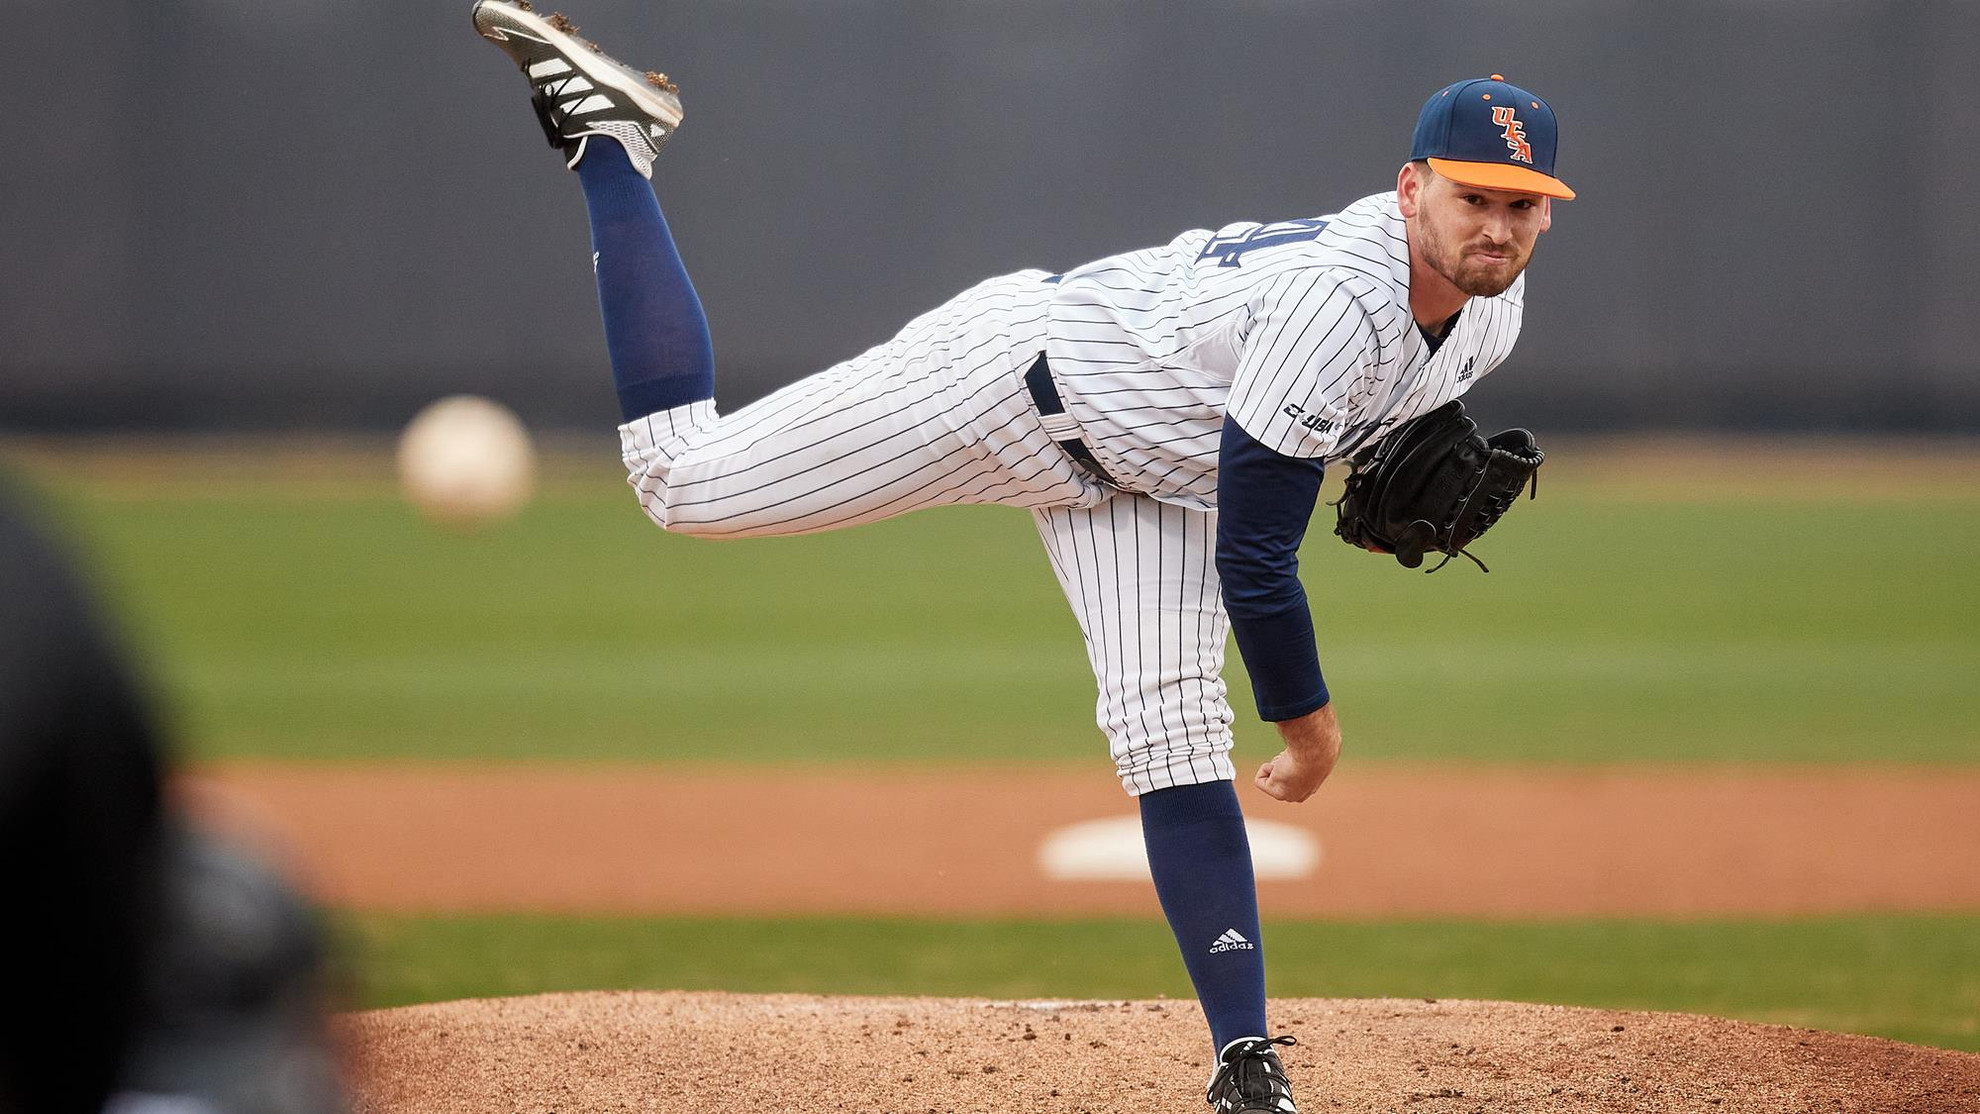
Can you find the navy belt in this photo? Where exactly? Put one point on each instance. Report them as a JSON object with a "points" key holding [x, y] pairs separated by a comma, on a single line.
{"points": [[1059, 425]]}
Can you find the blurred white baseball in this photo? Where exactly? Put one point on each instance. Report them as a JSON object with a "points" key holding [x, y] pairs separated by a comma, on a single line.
{"points": [[466, 460]]}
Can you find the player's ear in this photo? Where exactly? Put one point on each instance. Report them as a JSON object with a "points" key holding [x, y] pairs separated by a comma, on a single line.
{"points": [[1409, 187], [1546, 213]]}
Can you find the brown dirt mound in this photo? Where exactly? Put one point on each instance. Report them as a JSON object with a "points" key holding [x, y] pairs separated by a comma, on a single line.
{"points": [[801, 1054]]}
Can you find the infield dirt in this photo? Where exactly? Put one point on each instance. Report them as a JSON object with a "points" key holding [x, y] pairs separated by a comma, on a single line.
{"points": [[808, 1055], [1395, 840]]}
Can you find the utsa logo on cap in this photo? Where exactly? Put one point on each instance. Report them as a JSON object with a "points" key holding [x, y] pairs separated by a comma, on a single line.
{"points": [[1515, 137], [1491, 134]]}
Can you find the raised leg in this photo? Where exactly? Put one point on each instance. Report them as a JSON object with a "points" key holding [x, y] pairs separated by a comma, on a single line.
{"points": [[655, 330], [936, 416], [610, 122]]}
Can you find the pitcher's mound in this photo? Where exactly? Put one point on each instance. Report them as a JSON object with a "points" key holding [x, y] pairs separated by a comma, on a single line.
{"points": [[791, 1054]]}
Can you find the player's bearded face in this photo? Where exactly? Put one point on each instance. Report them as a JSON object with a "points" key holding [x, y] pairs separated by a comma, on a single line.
{"points": [[1478, 239]]}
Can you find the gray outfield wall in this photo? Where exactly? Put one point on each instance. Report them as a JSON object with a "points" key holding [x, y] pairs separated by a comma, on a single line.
{"points": [[317, 213]]}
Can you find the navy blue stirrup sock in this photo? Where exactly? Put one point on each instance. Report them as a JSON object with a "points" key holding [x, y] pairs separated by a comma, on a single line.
{"points": [[1201, 860], [662, 356]]}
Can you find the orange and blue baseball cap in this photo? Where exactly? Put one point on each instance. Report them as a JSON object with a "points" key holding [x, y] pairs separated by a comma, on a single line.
{"points": [[1491, 134]]}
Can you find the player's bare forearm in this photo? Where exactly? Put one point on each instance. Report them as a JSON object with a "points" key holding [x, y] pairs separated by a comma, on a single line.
{"points": [[1313, 745]]}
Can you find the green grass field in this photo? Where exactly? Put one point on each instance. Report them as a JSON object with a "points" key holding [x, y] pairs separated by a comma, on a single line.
{"points": [[323, 620], [293, 624], [1908, 978]]}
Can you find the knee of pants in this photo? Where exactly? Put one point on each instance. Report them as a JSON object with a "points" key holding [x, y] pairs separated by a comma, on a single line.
{"points": [[653, 503], [1146, 765], [1168, 728], [672, 519], [1161, 751], [708, 519]]}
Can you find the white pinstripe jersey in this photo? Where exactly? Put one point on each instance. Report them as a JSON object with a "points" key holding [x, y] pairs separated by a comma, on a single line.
{"points": [[1301, 329]]}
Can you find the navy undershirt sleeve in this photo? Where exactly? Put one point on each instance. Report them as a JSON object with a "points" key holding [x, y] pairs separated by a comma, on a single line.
{"points": [[1264, 499]]}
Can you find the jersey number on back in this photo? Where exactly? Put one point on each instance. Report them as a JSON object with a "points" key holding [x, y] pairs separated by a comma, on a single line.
{"points": [[1226, 250]]}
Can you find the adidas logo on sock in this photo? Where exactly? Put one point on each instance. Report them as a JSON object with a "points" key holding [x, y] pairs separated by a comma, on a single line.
{"points": [[1230, 941]]}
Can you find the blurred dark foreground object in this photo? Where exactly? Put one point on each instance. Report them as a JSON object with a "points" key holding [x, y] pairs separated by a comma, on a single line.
{"points": [[146, 961], [232, 1016]]}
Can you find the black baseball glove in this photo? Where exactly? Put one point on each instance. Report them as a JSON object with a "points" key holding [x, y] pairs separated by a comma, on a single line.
{"points": [[1433, 483]]}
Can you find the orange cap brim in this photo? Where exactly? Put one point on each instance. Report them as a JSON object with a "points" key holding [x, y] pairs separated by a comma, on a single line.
{"points": [[1500, 176]]}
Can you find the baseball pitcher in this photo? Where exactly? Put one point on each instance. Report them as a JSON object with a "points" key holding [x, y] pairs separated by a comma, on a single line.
{"points": [[1164, 414]]}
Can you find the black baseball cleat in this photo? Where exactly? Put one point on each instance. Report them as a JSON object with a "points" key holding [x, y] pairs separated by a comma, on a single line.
{"points": [[1250, 1077], [577, 89]]}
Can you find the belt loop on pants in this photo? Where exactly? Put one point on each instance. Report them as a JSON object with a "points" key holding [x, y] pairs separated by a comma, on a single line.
{"points": [[1059, 425]]}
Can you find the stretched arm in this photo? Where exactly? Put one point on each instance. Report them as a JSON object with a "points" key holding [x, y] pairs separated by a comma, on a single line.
{"points": [[1264, 502]]}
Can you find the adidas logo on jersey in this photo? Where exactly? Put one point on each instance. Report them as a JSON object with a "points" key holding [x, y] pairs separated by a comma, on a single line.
{"points": [[1230, 941]]}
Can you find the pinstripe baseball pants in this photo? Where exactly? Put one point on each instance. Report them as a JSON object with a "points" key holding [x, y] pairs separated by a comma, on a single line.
{"points": [[937, 416]]}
